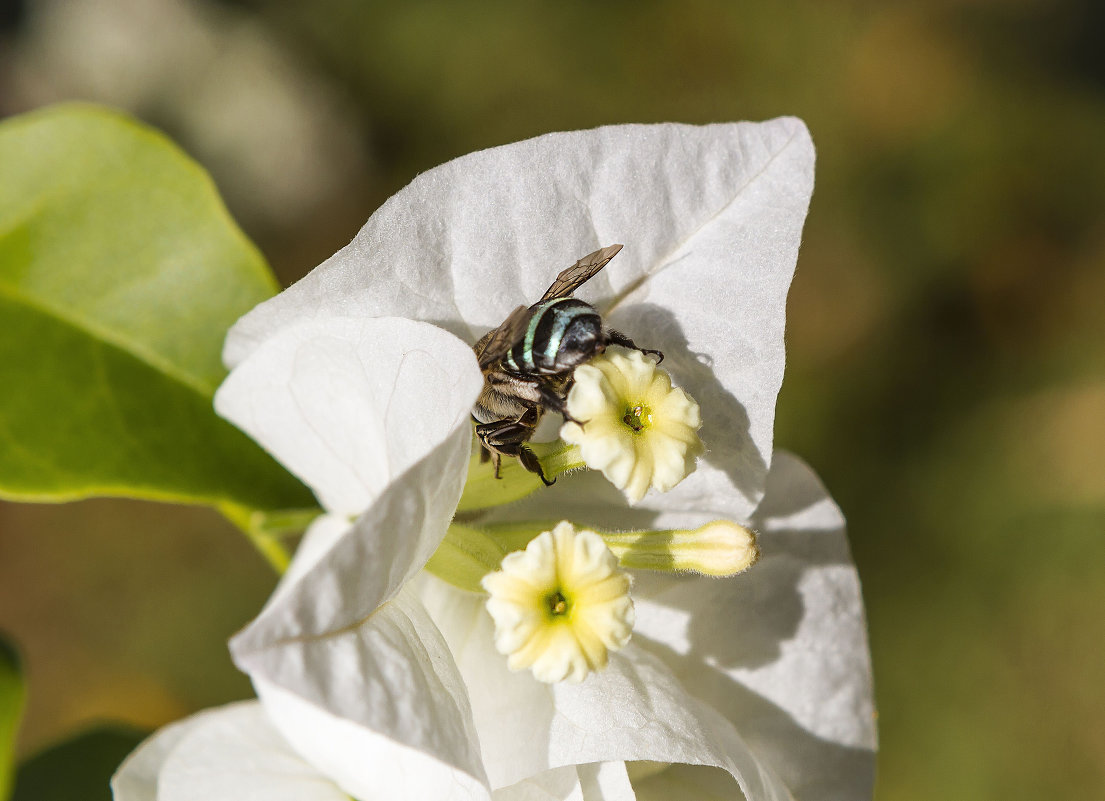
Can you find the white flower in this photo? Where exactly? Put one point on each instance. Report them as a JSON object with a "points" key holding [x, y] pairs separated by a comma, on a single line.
{"points": [[766, 675], [234, 752], [711, 211], [561, 605], [777, 663], [634, 426], [386, 680]]}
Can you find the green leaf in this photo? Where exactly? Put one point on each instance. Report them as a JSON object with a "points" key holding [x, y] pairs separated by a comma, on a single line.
{"points": [[12, 695], [120, 272], [79, 769]]}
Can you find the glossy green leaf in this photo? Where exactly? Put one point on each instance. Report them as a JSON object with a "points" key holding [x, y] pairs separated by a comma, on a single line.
{"points": [[120, 272], [11, 712], [79, 769]]}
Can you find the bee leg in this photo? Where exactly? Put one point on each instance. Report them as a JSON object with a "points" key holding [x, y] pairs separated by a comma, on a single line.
{"points": [[508, 438], [486, 433], [568, 417], [530, 462], [557, 402], [618, 338]]}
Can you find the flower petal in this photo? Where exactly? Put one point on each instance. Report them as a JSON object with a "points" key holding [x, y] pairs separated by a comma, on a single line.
{"points": [[561, 784], [600, 781], [341, 636], [339, 697], [136, 779], [320, 537], [782, 650], [632, 710], [232, 753], [352, 655], [365, 763], [605, 781], [349, 404], [716, 209]]}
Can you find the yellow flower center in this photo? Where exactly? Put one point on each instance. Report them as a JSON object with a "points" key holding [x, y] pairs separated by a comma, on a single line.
{"points": [[638, 417], [558, 604]]}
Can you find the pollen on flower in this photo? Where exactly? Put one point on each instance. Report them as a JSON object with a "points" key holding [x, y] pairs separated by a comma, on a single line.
{"points": [[561, 605], [637, 428]]}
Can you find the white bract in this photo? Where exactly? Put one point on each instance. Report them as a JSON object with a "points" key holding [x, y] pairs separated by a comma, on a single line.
{"points": [[776, 663], [386, 680], [234, 752]]}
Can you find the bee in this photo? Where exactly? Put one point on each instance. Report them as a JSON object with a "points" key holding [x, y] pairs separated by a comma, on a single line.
{"points": [[527, 362]]}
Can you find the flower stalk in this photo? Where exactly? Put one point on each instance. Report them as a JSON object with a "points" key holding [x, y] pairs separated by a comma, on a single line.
{"points": [[267, 531], [719, 548], [483, 490]]}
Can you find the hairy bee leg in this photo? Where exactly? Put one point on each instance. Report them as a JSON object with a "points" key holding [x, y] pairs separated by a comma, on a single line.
{"points": [[530, 462], [618, 338], [554, 401], [508, 438]]}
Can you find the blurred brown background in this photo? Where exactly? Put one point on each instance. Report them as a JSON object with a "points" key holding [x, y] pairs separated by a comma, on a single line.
{"points": [[946, 326]]}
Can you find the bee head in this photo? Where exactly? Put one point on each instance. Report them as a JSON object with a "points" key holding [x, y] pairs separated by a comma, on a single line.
{"points": [[582, 340]]}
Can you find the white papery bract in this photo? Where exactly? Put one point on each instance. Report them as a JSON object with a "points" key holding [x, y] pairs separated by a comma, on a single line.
{"points": [[777, 662], [765, 675], [386, 680], [234, 753], [703, 211]]}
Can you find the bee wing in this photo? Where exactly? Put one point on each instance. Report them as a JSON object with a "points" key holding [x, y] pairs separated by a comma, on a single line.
{"points": [[579, 273], [503, 338]]}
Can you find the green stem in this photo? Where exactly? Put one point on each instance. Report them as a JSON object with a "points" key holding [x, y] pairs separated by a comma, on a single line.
{"points": [[719, 548], [464, 557], [268, 530], [483, 490]]}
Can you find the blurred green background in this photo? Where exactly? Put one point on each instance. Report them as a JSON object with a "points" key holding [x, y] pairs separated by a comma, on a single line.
{"points": [[946, 326]]}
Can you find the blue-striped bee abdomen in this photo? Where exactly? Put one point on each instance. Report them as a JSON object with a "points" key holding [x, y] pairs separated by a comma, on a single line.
{"points": [[561, 334]]}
